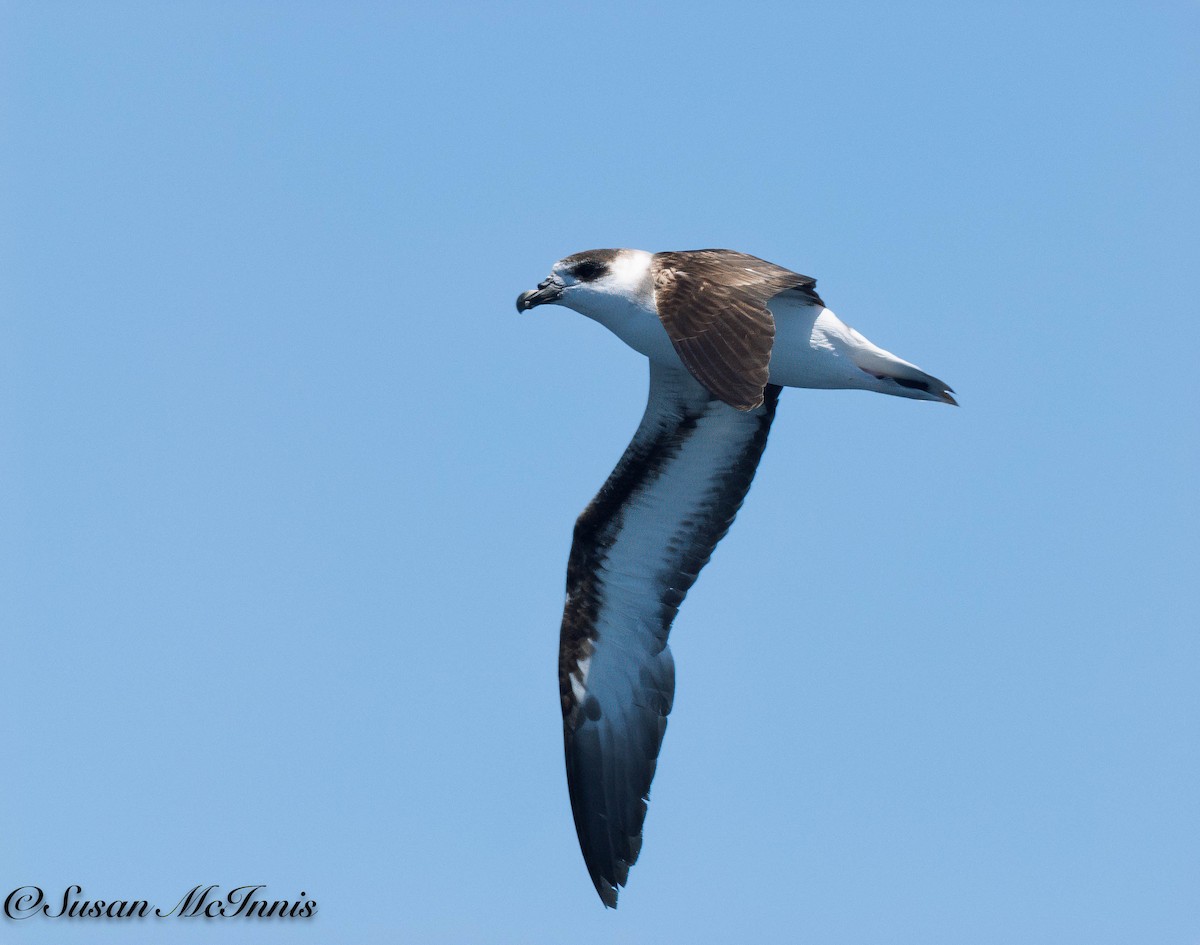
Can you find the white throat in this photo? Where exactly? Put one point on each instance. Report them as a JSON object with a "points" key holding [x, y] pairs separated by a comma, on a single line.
{"points": [[623, 302]]}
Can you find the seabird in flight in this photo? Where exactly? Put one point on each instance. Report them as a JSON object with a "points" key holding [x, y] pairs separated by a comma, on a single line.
{"points": [[724, 331]]}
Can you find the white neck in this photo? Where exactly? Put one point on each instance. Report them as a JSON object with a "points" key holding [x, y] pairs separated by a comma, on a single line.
{"points": [[623, 302]]}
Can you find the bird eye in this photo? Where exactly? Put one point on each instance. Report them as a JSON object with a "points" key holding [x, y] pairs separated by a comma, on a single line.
{"points": [[588, 271]]}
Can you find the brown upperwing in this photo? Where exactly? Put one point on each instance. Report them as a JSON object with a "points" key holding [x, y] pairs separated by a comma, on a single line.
{"points": [[713, 304]]}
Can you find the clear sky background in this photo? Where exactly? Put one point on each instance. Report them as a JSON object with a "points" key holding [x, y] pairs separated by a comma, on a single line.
{"points": [[288, 484]]}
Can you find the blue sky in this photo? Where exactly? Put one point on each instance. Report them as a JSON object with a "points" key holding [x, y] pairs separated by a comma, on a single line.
{"points": [[289, 485]]}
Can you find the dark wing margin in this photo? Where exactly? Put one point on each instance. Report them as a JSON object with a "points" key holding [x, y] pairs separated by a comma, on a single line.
{"points": [[637, 549], [713, 304]]}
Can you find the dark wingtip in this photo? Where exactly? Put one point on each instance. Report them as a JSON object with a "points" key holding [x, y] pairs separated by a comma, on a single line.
{"points": [[608, 888], [607, 893]]}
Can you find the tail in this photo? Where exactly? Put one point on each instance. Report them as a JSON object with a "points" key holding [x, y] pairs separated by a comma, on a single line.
{"points": [[896, 376]]}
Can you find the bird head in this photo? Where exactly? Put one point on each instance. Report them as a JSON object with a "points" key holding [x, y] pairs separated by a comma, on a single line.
{"points": [[583, 276]]}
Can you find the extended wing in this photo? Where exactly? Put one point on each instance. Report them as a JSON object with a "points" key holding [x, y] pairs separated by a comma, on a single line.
{"points": [[638, 548]]}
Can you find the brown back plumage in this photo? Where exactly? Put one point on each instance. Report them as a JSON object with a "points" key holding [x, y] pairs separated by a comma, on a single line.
{"points": [[713, 304]]}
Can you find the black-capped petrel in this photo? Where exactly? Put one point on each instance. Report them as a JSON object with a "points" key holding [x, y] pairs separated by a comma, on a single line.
{"points": [[724, 332]]}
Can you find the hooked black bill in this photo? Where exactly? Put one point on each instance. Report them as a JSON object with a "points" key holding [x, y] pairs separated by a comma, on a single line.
{"points": [[547, 291]]}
